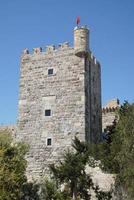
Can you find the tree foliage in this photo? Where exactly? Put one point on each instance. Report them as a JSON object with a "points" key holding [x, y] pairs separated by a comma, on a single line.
{"points": [[117, 151], [12, 168], [122, 147], [71, 173], [50, 190], [30, 191]]}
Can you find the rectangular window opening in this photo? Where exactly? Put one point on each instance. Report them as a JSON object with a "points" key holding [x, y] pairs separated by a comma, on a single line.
{"points": [[50, 71], [49, 142], [48, 112]]}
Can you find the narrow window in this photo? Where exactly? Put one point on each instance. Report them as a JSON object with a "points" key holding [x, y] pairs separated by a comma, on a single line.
{"points": [[47, 112], [49, 142], [50, 71]]}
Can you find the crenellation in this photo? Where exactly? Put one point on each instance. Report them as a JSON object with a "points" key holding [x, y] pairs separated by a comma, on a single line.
{"points": [[64, 45], [48, 49], [25, 51], [114, 103], [108, 110], [37, 50]]}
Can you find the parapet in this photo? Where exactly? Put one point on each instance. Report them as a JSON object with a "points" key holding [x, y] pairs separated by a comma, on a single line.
{"points": [[37, 50], [50, 48], [26, 51], [47, 49], [111, 106], [64, 45]]}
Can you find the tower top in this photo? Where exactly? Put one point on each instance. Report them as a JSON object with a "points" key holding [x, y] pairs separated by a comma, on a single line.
{"points": [[81, 27], [81, 40]]}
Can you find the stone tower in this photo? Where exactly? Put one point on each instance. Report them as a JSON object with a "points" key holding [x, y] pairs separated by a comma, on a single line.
{"points": [[60, 98]]}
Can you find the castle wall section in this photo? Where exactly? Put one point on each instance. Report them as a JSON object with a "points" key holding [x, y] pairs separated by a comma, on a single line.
{"points": [[61, 92], [108, 119], [93, 99], [95, 110], [109, 113]]}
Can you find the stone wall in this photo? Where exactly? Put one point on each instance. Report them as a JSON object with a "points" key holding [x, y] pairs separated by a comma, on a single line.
{"points": [[62, 93], [108, 119], [109, 113], [105, 181]]}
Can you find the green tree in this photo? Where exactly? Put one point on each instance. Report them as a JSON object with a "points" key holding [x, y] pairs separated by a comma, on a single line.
{"points": [[122, 147], [30, 191], [49, 191], [12, 168], [71, 172], [117, 151]]}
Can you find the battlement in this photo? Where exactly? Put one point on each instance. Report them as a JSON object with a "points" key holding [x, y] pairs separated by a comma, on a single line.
{"points": [[47, 49], [108, 110], [53, 49], [80, 48], [111, 106]]}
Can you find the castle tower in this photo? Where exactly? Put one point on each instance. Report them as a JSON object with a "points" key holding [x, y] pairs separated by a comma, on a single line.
{"points": [[60, 98], [81, 41]]}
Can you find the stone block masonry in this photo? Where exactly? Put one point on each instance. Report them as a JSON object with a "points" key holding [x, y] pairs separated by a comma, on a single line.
{"points": [[60, 98], [109, 113]]}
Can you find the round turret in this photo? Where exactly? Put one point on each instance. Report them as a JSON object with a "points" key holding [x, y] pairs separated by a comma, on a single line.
{"points": [[81, 40]]}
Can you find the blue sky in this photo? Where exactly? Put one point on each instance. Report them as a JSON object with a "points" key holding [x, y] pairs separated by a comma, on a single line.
{"points": [[34, 23]]}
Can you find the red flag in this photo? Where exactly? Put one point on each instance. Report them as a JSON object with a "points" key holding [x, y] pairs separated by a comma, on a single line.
{"points": [[78, 20]]}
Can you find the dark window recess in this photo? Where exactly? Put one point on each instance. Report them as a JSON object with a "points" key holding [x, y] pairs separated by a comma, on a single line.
{"points": [[49, 142], [47, 112], [50, 71]]}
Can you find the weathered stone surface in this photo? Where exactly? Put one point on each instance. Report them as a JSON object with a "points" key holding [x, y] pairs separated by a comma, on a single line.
{"points": [[105, 181], [114, 103], [109, 113], [108, 119]]}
